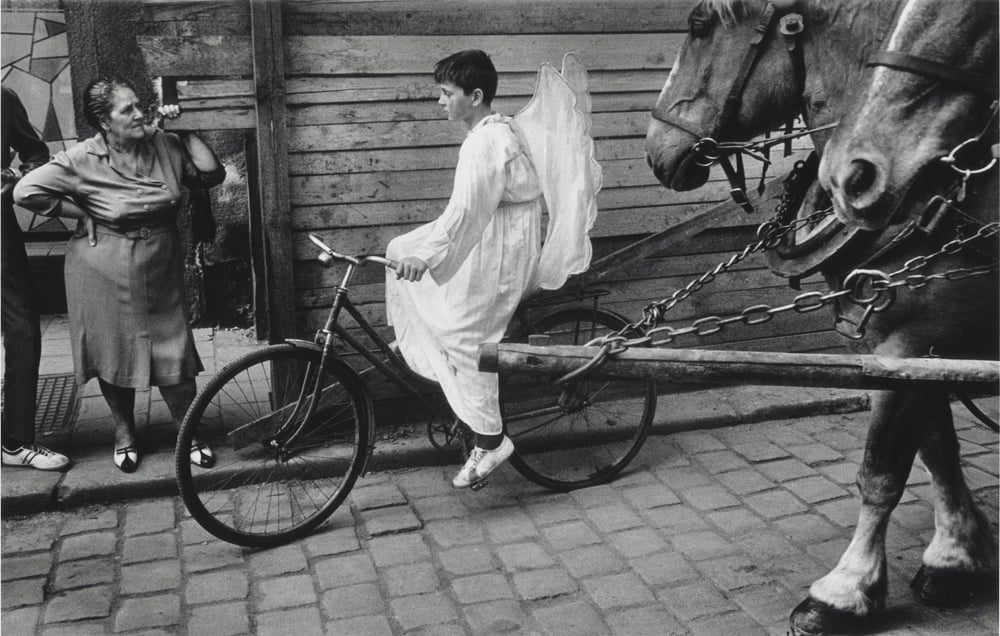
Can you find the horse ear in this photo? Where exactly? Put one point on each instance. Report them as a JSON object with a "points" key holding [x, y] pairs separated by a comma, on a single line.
{"points": [[784, 5]]}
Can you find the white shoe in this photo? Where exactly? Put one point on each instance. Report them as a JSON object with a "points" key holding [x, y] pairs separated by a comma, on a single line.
{"points": [[35, 456], [481, 463]]}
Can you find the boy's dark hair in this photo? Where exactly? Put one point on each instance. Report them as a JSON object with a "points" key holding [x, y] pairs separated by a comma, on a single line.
{"points": [[469, 70]]}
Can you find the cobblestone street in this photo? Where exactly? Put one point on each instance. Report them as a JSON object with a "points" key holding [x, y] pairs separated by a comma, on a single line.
{"points": [[709, 532]]}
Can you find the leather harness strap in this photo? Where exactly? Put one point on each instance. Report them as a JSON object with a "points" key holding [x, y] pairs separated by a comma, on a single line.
{"points": [[931, 69], [731, 107]]}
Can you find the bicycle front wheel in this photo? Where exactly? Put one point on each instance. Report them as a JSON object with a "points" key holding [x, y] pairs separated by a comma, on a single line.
{"points": [[289, 439], [582, 433]]}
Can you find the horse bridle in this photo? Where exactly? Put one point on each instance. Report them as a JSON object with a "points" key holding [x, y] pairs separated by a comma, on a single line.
{"points": [[940, 206], [932, 69], [707, 150]]}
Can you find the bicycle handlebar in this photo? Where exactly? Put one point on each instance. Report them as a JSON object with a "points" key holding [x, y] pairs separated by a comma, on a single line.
{"points": [[328, 256]]}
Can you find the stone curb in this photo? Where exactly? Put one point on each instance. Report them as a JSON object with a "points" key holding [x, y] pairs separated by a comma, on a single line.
{"points": [[92, 478]]}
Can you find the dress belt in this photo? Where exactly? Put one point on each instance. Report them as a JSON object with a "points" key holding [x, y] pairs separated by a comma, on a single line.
{"points": [[138, 233]]}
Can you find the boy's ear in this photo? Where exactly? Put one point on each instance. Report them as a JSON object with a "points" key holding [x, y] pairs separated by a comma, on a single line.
{"points": [[477, 96]]}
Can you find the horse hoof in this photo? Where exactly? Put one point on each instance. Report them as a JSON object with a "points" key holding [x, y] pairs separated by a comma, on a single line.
{"points": [[812, 618], [947, 588]]}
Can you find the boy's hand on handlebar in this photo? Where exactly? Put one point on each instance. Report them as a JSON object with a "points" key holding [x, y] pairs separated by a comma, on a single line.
{"points": [[410, 268]]}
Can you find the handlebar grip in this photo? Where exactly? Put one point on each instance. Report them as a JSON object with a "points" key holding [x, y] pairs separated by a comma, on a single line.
{"points": [[325, 259], [384, 262]]}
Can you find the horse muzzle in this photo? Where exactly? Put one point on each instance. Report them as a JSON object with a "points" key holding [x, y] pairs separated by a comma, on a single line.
{"points": [[688, 173], [859, 189]]}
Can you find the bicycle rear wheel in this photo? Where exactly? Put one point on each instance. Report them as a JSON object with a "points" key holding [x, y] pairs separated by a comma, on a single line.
{"points": [[276, 475], [583, 433]]}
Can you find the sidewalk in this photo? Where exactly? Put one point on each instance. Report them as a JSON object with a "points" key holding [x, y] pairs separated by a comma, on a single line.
{"points": [[89, 439]]}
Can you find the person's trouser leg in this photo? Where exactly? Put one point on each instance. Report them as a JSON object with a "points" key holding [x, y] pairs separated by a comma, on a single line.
{"points": [[22, 338]]}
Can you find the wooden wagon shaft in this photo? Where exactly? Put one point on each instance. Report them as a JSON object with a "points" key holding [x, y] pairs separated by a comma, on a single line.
{"points": [[702, 366]]}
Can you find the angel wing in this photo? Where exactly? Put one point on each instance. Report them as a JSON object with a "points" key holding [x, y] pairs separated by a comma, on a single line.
{"points": [[555, 130]]}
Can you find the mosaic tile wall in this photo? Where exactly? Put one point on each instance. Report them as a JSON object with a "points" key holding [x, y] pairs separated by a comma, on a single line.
{"points": [[34, 56]]}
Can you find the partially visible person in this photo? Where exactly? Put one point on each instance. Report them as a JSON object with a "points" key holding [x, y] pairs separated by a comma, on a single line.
{"points": [[22, 338], [128, 314]]}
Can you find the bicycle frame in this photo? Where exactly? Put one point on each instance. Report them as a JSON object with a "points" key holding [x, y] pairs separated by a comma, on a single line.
{"points": [[385, 359], [396, 370]]}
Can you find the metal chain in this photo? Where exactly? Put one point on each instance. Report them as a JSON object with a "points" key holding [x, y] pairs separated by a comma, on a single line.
{"points": [[753, 315], [951, 247], [812, 301], [768, 236], [881, 284]]}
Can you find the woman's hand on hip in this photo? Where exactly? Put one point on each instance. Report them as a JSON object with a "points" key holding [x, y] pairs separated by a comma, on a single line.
{"points": [[410, 268], [85, 226]]}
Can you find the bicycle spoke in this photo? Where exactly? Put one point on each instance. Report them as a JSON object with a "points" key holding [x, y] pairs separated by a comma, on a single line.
{"points": [[289, 444]]}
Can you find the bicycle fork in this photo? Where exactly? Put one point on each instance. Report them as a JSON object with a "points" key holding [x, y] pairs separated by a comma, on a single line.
{"points": [[289, 431]]}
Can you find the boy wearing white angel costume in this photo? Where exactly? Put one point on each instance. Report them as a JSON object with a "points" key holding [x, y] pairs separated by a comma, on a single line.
{"points": [[485, 253]]}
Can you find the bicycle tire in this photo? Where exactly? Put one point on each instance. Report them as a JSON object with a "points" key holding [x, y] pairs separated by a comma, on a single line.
{"points": [[584, 433], [265, 488]]}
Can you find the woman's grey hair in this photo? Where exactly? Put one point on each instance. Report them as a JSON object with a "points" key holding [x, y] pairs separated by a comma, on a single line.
{"points": [[97, 98]]}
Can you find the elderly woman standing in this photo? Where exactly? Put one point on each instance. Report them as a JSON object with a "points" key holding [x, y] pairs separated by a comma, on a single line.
{"points": [[128, 315]]}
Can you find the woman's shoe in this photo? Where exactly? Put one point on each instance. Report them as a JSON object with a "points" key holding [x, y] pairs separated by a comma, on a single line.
{"points": [[201, 455], [126, 459]]}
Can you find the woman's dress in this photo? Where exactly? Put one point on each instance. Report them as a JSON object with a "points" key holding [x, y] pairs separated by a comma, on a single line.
{"points": [[127, 307]]}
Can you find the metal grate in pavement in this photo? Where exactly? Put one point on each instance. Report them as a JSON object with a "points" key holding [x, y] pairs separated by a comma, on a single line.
{"points": [[57, 403]]}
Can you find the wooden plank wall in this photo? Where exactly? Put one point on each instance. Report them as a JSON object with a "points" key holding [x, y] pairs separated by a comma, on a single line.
{"points": [[370, 155]]}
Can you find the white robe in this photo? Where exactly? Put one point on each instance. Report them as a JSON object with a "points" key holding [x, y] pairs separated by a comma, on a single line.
{"points": [[484, 253], [481, 253]]}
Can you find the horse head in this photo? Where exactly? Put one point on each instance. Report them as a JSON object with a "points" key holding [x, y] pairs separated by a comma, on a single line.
{"points": [[929, 91], [710, 94]]}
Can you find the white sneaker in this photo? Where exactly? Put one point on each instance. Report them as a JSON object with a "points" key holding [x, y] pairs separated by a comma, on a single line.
{"points": [[481, 463], [35, 456]]}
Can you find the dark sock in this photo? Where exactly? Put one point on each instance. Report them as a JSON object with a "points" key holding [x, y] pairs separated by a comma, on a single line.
{"points": [[489, 442], [12, 446]]}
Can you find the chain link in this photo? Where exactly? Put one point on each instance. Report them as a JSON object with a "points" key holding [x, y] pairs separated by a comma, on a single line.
{"points": [[769, 234], [951, 247], [812, 301]]}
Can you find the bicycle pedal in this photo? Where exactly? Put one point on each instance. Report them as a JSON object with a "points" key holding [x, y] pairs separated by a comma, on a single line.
{"points": [[479, 485]]}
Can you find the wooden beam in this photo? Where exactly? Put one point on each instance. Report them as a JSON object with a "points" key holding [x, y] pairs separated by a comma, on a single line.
{"points": [[481, 17], [221, 55], [700, 366], [200, 56], [272, 166]]}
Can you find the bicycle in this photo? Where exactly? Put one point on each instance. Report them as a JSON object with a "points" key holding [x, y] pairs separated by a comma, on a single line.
{"points": [[291, 424]]}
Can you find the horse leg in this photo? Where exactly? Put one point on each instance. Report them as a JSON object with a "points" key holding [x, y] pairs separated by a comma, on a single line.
{"points": [[961, 559], [847, 597]]}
